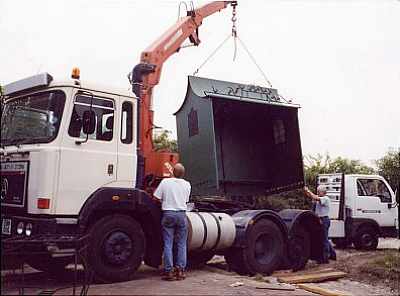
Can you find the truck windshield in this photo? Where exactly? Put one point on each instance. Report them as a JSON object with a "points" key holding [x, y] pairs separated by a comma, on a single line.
{"points": [[32, 119]]}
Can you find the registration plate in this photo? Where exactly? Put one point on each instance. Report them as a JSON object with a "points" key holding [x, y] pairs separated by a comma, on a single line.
{"points": [[6, 226]]}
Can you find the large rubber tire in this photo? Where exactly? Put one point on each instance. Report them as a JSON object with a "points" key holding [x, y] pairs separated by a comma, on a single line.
{"points": [[263, 253], [341, 243], [116, 248], [299, 248], [199, 259], [52, 266], [366, 238]]}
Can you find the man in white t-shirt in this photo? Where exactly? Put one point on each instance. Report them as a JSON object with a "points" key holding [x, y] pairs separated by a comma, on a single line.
{"points": [[322, 205], [174, 195]]}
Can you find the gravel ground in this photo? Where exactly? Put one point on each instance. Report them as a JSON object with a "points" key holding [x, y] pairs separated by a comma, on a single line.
{"points": [[212, 280]]}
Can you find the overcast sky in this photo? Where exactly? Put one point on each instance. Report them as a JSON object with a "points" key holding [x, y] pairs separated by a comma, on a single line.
{"points": [[340, 60]]}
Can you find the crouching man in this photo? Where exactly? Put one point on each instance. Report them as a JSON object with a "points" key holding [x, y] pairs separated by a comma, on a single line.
{"points": [[174, 195]]}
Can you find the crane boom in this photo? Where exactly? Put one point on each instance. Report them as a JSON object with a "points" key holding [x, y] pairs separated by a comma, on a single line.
{"points": [[146, 75]]}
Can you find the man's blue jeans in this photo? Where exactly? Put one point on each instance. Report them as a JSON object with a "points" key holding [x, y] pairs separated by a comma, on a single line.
{"points": [[175, 231], [329, 251]]}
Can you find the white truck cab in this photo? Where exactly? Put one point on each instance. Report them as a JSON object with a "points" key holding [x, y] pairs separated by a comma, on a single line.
{"points": [[363, 208], [44, 151]]}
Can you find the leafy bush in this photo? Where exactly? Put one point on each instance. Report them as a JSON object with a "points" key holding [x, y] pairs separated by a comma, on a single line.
{"points": [[294, 199], [389, 167]]}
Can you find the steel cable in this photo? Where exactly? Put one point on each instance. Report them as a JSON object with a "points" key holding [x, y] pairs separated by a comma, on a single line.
{"points": [[211, 55], [254, 61]]}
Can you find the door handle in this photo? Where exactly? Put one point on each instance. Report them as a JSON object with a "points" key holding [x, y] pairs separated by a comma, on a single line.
{"points": [[110, 169]]}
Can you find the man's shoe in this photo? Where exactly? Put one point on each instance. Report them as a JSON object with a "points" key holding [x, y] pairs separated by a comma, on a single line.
{"points": [[180, 274], [169, 276]]}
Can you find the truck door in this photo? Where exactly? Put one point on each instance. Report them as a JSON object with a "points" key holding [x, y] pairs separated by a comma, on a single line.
{"points": [[87, 166], [373, 200], [127, 157]]}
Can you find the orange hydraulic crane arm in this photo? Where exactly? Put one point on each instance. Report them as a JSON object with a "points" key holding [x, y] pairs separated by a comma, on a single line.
{"points": [[146, 75], [171, 41]]}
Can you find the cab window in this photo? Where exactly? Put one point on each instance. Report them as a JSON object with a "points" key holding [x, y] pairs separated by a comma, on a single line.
{"points": [[104, 116], [373, 187], [126, 123]]}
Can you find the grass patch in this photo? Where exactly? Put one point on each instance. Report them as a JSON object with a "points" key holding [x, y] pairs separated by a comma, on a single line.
{"points": [[385, 267], [390, 261]]}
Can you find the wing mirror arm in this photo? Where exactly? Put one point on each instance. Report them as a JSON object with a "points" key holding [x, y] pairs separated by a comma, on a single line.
{"points": [[88, 120]]}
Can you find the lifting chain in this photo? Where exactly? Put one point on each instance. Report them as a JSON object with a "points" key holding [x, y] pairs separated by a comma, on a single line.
{"points": [[234, 29], [234, 19]]}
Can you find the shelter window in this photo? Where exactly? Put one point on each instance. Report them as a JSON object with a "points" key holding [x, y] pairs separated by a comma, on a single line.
{"points": [[279, 131]]}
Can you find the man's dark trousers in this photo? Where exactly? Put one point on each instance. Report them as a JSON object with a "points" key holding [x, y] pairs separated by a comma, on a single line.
{"points": [[328, 250]]}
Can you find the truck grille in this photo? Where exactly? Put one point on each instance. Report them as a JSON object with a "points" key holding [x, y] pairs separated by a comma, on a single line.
{"points": [[14, 180]]}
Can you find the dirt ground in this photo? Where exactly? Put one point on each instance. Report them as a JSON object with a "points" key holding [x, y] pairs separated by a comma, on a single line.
{"points": [[365, 277]]}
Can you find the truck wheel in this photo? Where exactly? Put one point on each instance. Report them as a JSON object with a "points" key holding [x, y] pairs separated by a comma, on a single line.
{"points": [[341, 243], [116, 248], [50, 265], [366, 238], [300, 248], [199, 259], [263, 252]]}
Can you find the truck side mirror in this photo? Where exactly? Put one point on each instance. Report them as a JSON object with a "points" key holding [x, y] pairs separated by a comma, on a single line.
{"points": [[88, 122]]}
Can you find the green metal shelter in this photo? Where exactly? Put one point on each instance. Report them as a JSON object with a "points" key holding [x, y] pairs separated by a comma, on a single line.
{"points": [[238, 140]]}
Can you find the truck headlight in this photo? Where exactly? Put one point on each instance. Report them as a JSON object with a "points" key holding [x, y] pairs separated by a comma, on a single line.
{"points": [[28, 229], [20, 227]]}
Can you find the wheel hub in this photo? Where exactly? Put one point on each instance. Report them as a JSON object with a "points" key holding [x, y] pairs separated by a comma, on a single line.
{"points": [[117, 248], [366, 239], [263, 249]]}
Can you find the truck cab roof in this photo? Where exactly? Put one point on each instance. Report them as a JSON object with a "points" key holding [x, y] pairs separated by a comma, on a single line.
{"points": [[45, 80], [351, 175]]}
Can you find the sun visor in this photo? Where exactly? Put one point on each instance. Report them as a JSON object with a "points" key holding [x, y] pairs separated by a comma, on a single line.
{"points": [[39, 80]]}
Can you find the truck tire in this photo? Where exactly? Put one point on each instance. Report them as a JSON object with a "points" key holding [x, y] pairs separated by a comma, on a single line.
{"points": [[366, 238], [341, 243], [300, 248], [116, 248], [263, 253], [50, 265], [199, 259]]}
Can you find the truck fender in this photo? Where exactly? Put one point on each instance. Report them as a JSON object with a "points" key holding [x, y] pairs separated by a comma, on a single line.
{"points": [[308, 221], [130, 201], [245, 219]]}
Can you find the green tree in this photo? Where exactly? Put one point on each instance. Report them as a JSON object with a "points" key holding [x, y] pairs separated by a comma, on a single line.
{"points": [[163, 142], [1, 99], [389, 167]]}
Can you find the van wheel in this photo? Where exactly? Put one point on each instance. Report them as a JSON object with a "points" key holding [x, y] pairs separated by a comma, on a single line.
{"points": [[50, 265], [116, 248], [366, 238], [263, 253], [300, 248], [199, 259]]}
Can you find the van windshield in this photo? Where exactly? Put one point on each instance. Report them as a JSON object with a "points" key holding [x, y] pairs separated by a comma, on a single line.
{"points": [[32, 119]]}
